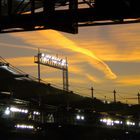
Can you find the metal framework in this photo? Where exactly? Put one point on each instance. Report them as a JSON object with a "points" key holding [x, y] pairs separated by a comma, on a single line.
{"points": [[30, 15], [23, 15], [54, 62]]}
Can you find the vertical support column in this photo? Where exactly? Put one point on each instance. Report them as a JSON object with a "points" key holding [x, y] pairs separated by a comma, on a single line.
{"points": [[114, 96], [105, 100], [73, 5], [73, 8], [63, 72], [92, 95], [0, 13], [67, 83], [49, 6], [32, 6], [10, 3], [0, 8], [65, 78], [138, 98], [38, 55]]}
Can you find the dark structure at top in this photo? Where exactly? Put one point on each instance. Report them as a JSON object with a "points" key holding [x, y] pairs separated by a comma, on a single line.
{"points": [[64, 15]]}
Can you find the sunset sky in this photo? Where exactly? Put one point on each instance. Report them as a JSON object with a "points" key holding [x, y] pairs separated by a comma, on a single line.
{"points": [[105, 57]]}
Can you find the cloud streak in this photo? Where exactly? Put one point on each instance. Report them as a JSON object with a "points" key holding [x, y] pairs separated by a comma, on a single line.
{"points": [[60, 41], [68, 44], [133, 80], [93, 78], [22, 61]]}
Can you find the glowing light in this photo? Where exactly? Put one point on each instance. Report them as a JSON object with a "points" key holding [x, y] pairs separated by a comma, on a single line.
{"points": [[14, 109], [78, 117], [126, 132], [129, 123], [82, 117], [7, 111], [52, 60], [24, 126], [36, 113], [117, 122], [109, 121]]}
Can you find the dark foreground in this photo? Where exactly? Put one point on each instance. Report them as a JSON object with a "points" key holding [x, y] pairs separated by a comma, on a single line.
{"points": [[64, 132]]}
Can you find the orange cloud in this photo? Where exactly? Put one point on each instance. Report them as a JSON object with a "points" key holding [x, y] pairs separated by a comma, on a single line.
{"points": [[17, 46], [108, 51], [68, 44], [45, 38], [75, 69], [21, 61], [129, 80], [92, 78]]}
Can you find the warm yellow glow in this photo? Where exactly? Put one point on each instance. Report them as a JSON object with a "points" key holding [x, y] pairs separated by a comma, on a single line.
{"points": [[93, 78], [58, 80], [68, 44], [53, 38], [22, 61], [17, 46], [93, 52], [75, 69], [129, 80]]}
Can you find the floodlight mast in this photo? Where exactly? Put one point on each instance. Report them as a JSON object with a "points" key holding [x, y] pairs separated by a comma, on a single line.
{"points": [[54, 62], [65, 77]]}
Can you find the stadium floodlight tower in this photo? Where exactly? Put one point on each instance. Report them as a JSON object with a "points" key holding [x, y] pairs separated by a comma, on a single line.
{"points": [[54, 62]]}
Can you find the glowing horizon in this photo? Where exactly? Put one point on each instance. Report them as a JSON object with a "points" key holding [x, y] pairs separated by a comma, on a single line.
{"points": [[106, 57]]}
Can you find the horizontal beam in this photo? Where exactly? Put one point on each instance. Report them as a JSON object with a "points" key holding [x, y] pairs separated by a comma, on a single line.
{"points": [[59, 20]]}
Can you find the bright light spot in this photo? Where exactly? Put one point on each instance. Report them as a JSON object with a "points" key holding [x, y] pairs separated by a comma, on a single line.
{"points": [[82, 117], [42, 55], [126, 132], [108, 102], [14, 109], [104, 120], [25, 111], [78, 117], [7, 111], [129, 123], [36, 113], [117, 122], [133, 123], [24, 126], [48, 59], [109, 121]]}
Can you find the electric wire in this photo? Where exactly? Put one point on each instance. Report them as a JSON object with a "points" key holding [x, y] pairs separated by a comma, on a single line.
{"points": [[81, 90]]}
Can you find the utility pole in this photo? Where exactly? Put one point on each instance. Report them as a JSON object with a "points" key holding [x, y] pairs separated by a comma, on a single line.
{"points": [[38, 55], [138, 98], [105, 100], [114, 96], [92, 96]]}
